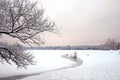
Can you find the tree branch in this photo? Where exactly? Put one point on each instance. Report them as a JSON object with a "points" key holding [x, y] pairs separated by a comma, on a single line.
{"points": [[12, 19]]}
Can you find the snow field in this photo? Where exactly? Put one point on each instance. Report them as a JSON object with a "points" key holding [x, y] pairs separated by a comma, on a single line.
{"points": [[97, 65]]}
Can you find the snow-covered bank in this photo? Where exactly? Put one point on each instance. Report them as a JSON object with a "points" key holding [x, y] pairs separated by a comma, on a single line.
{"points": [[97, 65], [45, 60]]}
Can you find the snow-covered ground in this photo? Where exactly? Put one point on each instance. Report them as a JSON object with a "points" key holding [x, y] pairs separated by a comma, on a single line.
{"points": [[97, 65]]}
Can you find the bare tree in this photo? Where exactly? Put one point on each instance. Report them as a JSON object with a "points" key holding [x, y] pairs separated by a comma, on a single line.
{"points": [[23, 20], [111, 44]]}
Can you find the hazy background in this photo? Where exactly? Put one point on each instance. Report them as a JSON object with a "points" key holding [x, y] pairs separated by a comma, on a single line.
{"points": [[83, 22]]}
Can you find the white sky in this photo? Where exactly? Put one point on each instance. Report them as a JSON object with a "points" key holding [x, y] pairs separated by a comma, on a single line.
{"points": [[83, 22]]}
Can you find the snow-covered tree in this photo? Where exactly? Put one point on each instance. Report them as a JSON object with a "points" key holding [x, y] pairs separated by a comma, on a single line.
{"points": [[16, 54], [22, 20]]}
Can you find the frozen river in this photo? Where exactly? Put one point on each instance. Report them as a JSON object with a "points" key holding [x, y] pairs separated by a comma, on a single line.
{"points": [[50, 65]]}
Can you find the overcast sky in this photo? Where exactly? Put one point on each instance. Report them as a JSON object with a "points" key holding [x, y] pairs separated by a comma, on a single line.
{"points": [[83, 22]]}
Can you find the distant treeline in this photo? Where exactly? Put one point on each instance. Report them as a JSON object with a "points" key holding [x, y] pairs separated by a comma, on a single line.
{"points": [[98, 47]]}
